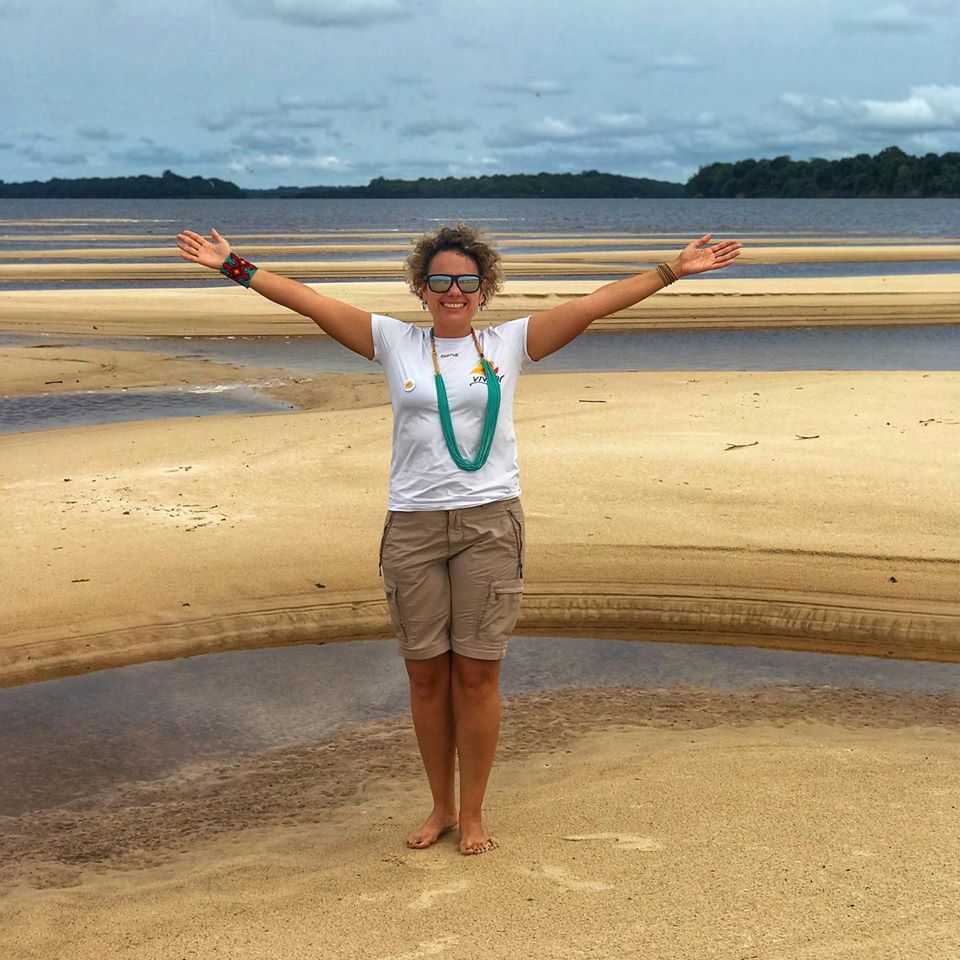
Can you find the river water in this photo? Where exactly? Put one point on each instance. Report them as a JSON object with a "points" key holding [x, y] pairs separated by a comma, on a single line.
{"points": [[84, 735], [936, 219]]}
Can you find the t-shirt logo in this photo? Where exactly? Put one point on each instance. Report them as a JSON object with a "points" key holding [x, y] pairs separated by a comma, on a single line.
{"points": [[477, 374]]}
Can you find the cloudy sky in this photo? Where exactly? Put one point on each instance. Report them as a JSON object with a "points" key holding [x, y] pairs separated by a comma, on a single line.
{"points": [[298, 92]]}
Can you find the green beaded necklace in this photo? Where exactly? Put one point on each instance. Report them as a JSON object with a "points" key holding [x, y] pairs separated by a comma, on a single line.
{"points": [[489, 420]]}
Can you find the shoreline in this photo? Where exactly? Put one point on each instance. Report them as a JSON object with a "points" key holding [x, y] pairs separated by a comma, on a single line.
{"points": [[805, 510], [136, 541], [221, 310], [624, 817], [744, 508]]}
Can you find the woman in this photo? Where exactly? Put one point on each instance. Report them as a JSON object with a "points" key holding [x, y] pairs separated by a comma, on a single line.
{"points": [[452, 547]]}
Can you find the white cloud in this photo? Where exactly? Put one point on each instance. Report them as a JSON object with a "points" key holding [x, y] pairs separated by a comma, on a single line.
{"points": [[926, 119], [895, 17], [914, 113], [330, 162], [551, 128], [602, 128], [925, 109], [287, 161], [327, 13]]}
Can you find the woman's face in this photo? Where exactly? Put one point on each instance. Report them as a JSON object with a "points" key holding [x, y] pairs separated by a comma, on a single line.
{"points": [[454, 306]]}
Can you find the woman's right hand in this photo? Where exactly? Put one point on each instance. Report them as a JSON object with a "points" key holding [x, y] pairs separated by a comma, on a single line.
{"points": [[197, 249]]}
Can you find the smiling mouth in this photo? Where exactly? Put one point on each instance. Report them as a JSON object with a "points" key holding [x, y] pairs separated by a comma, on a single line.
{"points": [[452, 306]]}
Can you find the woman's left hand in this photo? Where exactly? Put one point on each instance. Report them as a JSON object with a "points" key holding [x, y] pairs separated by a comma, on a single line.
{"points": [[697, 257]]}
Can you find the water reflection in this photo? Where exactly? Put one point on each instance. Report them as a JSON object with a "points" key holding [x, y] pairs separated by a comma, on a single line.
{"points": [[803, 348], [84, 736], [48, 411]]}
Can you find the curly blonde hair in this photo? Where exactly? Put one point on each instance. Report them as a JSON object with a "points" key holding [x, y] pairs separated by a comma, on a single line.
{"points": [[464, 239]]}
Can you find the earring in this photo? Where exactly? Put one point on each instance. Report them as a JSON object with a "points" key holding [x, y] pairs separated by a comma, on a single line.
{"points": [[423, 304]]}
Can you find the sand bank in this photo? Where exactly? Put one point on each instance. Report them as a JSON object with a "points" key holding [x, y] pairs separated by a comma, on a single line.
{"points": [[221, 309], [61, 369], [595, 262], [839, 248], [139, 541], [792, 822]]}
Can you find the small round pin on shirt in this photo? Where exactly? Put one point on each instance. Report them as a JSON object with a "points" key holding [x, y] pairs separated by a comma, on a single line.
{"points": [[408, 385]]}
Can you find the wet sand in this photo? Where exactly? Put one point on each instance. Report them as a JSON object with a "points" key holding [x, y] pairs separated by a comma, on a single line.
{"points": [[806, 511], [798, 822], [815, 531], [764, 250], [222, 310], [66, 369], [594, 263]]}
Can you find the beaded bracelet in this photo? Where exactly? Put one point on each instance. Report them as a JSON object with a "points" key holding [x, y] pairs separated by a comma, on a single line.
{"points": [[666, 274], [238, 269]]}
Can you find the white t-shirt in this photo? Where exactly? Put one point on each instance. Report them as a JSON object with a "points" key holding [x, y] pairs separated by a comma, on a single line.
{"points": [[423, 475]]}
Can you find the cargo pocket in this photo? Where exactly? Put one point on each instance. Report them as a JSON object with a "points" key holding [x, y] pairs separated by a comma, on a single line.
{"points": [[498, 615], [386, 529], [517, 522], [395, 609]]}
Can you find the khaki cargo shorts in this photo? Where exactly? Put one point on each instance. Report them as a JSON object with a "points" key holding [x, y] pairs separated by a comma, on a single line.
{"points": [[454, 578]]}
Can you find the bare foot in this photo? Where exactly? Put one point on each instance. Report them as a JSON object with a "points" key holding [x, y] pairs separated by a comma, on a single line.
{"points": [[434, 827], [474, 839]]}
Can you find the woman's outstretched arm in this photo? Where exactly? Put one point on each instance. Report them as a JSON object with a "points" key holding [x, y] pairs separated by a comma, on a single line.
{"points": [[346, 324], [553, 329]]}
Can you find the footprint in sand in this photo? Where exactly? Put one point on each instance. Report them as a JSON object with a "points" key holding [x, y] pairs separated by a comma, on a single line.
{"points": [[428, 897], [563, 878], [622, 841], [428, 948]]}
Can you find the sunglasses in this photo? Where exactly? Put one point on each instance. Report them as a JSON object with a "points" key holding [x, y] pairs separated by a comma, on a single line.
{"points": [[442, 282]]}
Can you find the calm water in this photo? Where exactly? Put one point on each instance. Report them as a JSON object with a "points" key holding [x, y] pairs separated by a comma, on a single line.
{"points": [[842, 218], [856, 348], [801, 348], [39, 224], [81, 736], [19, 414]]}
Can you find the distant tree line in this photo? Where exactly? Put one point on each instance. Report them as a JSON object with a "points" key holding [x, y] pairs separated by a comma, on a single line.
{"points": [[166, 187], [588, 184], [891, 173]]}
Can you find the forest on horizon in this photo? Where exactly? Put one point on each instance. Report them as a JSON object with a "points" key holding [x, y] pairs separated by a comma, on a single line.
{"points": [[890, 173]]}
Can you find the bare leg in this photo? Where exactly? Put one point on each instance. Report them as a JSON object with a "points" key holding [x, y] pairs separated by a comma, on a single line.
{"points": [[476, 709], [432, 710]]}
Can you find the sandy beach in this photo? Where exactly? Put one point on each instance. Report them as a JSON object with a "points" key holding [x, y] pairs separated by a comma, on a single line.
{"points": [[218, 310], [553, 263], [815, 532], [812, 511], [789, 824]]}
